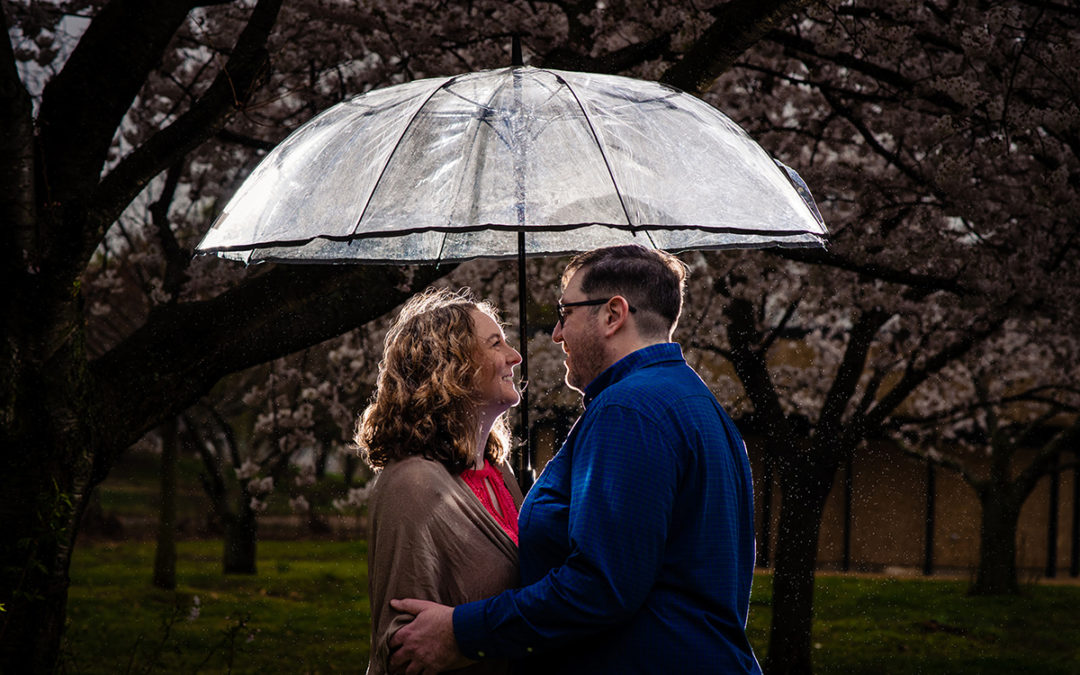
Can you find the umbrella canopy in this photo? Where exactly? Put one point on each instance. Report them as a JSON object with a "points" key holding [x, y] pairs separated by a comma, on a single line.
{"points": [[513, 162], [451, 169]]}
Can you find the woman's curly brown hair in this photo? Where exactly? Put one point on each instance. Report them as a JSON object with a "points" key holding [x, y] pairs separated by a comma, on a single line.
{"points": [[425, 400]]}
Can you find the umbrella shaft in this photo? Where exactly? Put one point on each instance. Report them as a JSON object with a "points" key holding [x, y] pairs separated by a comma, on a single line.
{"points": [[525, 456]]}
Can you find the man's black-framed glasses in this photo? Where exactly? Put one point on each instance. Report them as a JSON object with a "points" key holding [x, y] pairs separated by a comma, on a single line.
{"points": [[561, 307]]}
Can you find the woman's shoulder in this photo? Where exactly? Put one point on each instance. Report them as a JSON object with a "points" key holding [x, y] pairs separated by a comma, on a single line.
{"points": [[411, 490], [410, 474]]}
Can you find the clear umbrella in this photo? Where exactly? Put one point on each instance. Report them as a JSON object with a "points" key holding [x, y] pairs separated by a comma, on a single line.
{"points": [[508, 163]]}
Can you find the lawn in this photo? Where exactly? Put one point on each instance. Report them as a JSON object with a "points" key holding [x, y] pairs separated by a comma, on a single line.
{"points": [[870, 626], [306, 612]]}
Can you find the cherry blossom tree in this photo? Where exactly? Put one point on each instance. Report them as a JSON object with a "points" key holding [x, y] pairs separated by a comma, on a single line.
{"points": [[824, 360], [1002, 419], [941, 144], [85, 132]]}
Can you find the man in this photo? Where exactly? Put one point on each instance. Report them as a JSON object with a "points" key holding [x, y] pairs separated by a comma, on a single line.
{"points": [[637, 540]]}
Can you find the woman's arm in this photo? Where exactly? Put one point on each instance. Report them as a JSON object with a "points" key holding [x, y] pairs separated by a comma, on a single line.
{"points": [[403, 558]]}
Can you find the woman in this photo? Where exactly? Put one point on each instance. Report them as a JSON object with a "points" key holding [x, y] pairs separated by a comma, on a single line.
{"points": [[443, 509]]}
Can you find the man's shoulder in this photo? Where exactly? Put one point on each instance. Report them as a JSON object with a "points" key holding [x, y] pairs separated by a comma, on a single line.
{"points": [[654, 393], [663, 382]]}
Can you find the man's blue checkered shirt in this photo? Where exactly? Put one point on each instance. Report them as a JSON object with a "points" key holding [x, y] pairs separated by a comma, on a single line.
{"points": [[637, 540]]}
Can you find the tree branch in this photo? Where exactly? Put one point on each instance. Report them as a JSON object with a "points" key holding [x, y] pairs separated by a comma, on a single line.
{"points": [[961, 411], [212, 477], [16, 162], [183, 349], [176, 259], [614, 62], [83, 105], [913, 377], [1045, 460], [946, 461], [1032, 428], [753, 371], [778, 330], [245, 141], [739, 25], [848, 61], [924, 282], [861, 336], [230, 90], [871, 390], [893, 158]]}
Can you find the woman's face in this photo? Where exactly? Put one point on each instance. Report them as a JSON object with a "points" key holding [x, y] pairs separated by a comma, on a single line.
{"points": [[496, 360]]}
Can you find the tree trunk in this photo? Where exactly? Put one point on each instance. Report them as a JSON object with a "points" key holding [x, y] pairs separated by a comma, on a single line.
{"points": [[997, 544], [165, 555], [36, 553], [804, 486], [240, 538], [47, 470]]}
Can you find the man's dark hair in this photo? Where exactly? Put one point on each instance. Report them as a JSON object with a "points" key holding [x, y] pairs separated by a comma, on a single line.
{"points": [[651, 280]]}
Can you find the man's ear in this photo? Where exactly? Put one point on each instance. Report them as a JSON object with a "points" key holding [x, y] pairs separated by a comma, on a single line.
{"points": [[616, 314]]}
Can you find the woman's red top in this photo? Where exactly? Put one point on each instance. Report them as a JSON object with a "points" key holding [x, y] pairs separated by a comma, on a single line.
{"points": [[474, 478]]}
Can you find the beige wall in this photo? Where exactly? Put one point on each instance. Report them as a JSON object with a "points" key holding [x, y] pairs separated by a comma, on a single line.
{"points": [[888, 506]]}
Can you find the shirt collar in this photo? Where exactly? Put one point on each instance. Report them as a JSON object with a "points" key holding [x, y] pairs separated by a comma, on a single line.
{"points": [[634, 361]]}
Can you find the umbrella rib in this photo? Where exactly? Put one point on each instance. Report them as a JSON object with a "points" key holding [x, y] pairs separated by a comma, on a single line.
{"points": [[483, 120], [397, 144], [442, 247], [599, 145]]}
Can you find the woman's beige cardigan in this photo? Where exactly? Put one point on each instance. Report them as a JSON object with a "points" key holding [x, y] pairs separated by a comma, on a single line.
{"points": [[431, 538]]}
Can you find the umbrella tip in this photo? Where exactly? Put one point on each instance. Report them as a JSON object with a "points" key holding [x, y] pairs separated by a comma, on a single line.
{"points": [[515, 51]]}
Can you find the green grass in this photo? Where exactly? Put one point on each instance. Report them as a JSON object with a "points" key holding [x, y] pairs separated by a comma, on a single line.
{"points": [[873, 626], [306, 612]]}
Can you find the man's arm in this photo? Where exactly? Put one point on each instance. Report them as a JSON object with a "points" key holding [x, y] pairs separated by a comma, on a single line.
{"points": [[426, 644], [625, 477]]}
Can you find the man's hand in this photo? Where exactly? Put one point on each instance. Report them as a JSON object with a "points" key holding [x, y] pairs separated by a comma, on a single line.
{"points": [[426, 644]]}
